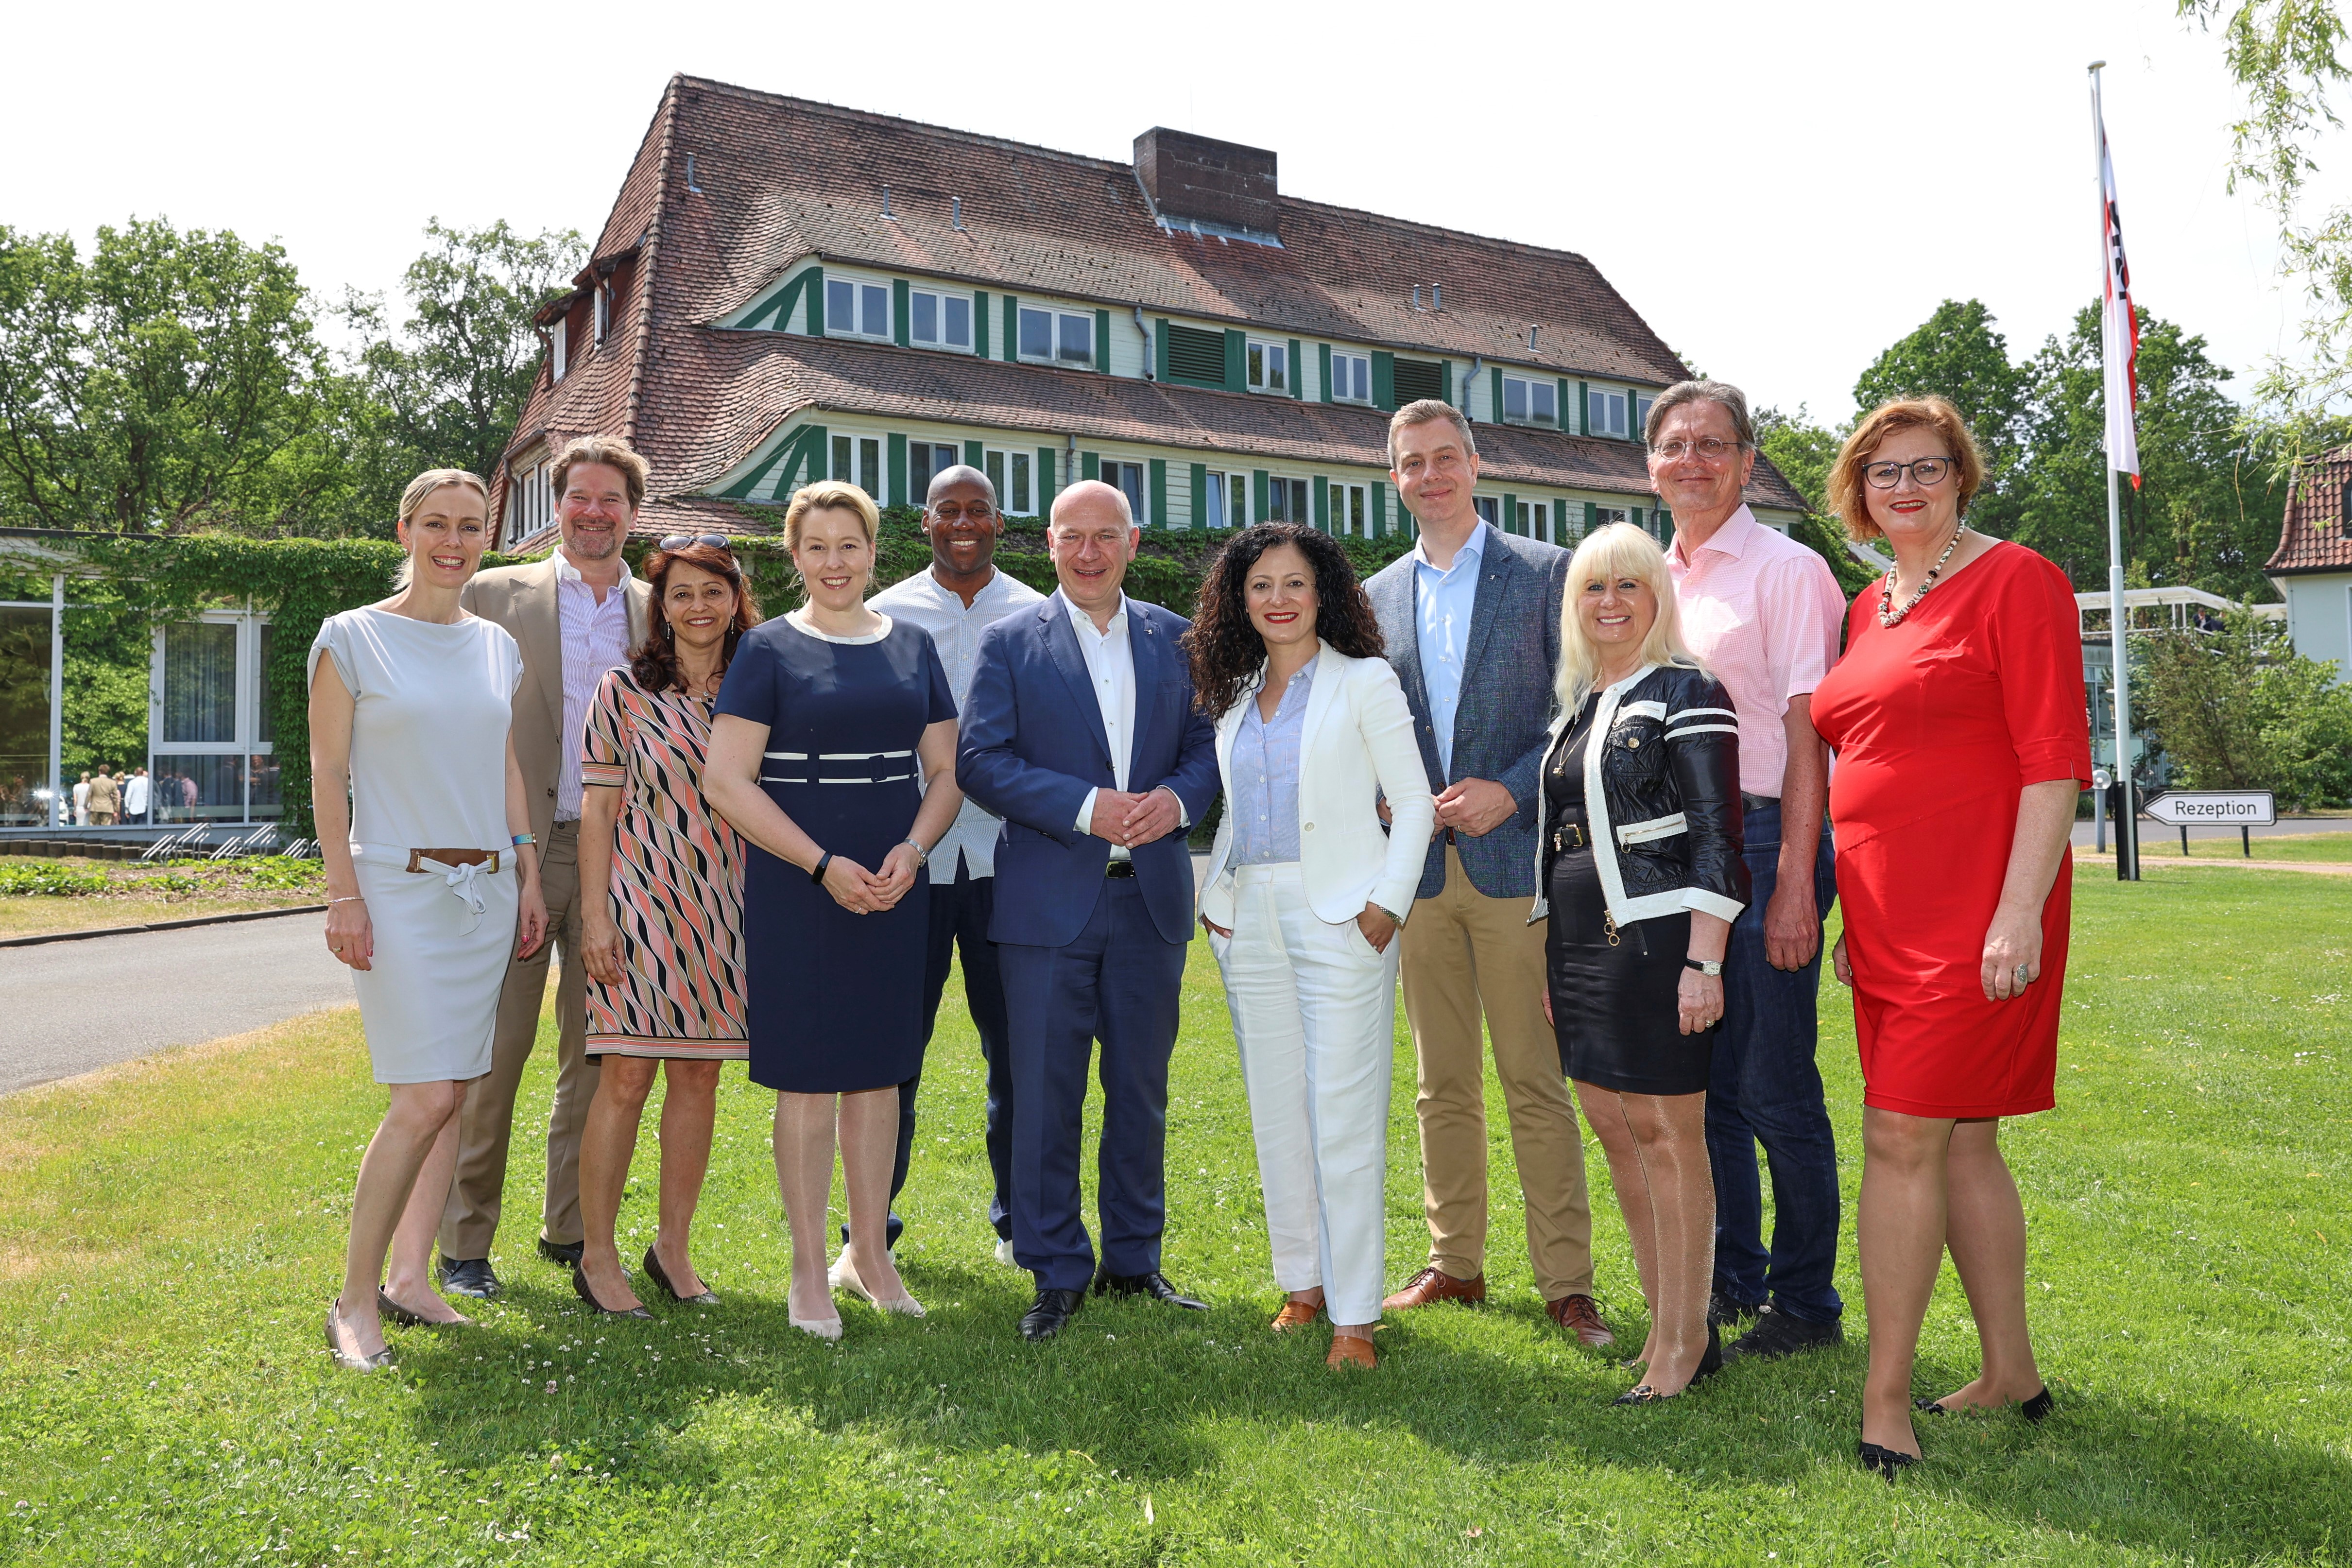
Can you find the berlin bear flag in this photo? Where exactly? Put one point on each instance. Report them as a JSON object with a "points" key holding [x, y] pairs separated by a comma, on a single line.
{"points": [[2119, 329]]}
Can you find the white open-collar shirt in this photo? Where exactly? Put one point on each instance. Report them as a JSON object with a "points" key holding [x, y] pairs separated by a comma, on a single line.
{"points": [[1111, 667]]}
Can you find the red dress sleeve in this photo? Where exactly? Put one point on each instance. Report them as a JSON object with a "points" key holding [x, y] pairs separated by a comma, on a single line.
{"points": [[2040, 643]]}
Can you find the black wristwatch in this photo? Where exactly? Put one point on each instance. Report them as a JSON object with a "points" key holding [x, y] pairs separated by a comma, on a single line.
{"points": [[816, 872], [1708, 966]]}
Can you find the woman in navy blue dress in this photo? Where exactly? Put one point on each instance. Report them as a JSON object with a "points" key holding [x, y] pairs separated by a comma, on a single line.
{"points": [[832, 753]]}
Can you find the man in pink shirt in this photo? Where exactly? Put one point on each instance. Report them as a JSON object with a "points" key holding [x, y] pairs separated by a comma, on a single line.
{"points": [[1764, 613]]}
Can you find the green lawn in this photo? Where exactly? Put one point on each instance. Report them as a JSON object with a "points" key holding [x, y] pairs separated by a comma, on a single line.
{"points": [[169, 1236]]}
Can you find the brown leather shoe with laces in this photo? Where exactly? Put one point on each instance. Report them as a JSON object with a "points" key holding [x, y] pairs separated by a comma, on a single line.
{"points": [[1580, 1316], [1294, 1314], [1434, 1284]]}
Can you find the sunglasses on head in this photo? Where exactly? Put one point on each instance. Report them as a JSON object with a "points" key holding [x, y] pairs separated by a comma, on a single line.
{"points": [[680, 540]]}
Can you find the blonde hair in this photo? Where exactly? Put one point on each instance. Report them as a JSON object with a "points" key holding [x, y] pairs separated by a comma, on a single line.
{"points": [[1847, 497], [830, 494], [1620, 550], [413, 500]]}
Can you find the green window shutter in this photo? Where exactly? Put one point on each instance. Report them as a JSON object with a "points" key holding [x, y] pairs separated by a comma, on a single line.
{"points": [[1257, 495], [1495, 409], [1236, 360], [1379, 510], [1200, 493], [1159, 492], [1510, 512], [1102, 340], [1322, 505], [1384, 396], [1090, 465], [1325, 355], [1045, 480], [1591, 515], [1567, 418], [1011, 326], [980, 324], [974, 456], [815, 280], [895, 472], [1560, 522], [1298, 370], [1584, 428], [1159, 349], [1445, 385], [898, 292]]}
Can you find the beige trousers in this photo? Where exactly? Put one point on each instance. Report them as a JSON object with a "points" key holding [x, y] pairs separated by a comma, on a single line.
{"points": [[487, 1123], [1464, 953]]}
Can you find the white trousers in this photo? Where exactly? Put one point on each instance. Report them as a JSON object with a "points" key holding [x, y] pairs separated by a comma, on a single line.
{"points": [[1314, 1010]]}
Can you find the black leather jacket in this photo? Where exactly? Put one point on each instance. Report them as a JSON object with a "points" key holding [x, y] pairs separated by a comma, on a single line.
{"points": [[1665, 822]]}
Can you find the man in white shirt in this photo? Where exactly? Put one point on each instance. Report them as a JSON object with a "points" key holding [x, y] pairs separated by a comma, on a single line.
{"points": [[134, 797], [575, 615], [1094, 909], [960, 595]]}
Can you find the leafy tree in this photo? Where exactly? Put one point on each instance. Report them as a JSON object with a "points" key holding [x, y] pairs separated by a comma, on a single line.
{"points": [[2234, 708], [447, 391], [1804, 452], [172, 379], [1956, 354], [2206, 513]]}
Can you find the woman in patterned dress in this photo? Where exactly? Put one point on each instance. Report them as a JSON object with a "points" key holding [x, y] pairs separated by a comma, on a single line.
{"points": [[664, 955]]}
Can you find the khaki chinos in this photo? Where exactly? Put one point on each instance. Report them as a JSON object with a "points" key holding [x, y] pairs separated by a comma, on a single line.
{"points": [[522, 599], [1465, 953]]}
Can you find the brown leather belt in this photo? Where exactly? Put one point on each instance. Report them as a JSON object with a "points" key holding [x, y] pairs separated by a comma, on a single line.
{"points": [[487, 858]]}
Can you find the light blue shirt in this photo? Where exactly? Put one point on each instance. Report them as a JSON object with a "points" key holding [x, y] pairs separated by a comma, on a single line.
{"points": [[1266, 776], [1441, 602]]}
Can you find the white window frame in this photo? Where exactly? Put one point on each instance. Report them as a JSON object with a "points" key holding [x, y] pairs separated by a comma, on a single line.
{"points": [[1537, 515], [1263, 360], [1489, 509], [940, 299], [556, 342], [251, 693], [1528, 386], [1341, 374], [530, 502], [1057, 319], [1643, 402], [1140, 501], [866, 453], [1351, 509], [1228, 493], [919, 491], [862, 294], [1297, 503], [1603, 401], [1010, 468]]}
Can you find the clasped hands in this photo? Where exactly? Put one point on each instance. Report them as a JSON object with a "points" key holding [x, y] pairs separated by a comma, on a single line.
{"points": [[1475, 806], [1135, 820], [862, 892]]}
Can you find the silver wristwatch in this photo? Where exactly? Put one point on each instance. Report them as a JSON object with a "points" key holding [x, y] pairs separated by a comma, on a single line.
{"points": [[1397, 919], [1706, 966], [922, 856]]}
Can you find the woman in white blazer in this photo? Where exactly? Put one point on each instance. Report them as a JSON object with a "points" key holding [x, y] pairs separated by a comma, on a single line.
{"points": [[1305, 892]]}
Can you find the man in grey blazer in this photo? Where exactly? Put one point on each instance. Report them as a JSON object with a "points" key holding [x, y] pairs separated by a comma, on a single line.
{"points": [[1472, 622], [576, 615]]}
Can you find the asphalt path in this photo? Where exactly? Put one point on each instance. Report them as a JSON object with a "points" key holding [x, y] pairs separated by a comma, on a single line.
{"points": [[72, 1006]]}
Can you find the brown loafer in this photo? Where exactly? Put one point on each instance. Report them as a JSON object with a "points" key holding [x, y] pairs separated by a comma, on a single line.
{"points": [[1434, 1284], [1347, 1350], [1294, 1314], [1580, 1316]]}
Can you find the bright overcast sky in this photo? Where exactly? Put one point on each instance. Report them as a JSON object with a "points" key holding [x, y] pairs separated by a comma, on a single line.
{"points": [[1782, 191]]}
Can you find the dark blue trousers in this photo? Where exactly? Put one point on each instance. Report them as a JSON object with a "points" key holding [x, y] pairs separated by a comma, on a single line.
{"points": [[1766, 1088], [1116, 983], [960, 915]]}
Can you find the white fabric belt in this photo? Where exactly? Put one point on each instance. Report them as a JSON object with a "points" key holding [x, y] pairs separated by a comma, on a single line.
{"points": [[1657, 827]]}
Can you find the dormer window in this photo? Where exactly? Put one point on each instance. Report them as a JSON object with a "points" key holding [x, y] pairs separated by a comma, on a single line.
{"points": [[1528, 401], [556, 344], [1604, 414], [1057, 336], [1351, 378], [604, 310], [1269, 366], [939, 320], [855, 310]]}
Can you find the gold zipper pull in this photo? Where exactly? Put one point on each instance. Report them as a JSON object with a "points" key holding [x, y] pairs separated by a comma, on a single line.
{"points": [[1608, 927]]}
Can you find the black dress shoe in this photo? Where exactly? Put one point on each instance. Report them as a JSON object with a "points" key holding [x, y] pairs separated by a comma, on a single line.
{"points": [[579, 1288], [1886, 1461], [562, 1254], [1778, 1333], [1712, 1362], [1048, 1313], [892, 1229], [1724, 1312], [661, 1281], [2035, 1409], [1154, 1284], [466, 1277]]}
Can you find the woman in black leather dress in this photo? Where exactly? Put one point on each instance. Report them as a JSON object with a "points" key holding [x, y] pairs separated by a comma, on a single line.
{"points": [[1639, 871]]}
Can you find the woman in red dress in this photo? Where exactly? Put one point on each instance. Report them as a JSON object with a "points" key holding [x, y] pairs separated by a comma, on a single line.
{"points": [[1958, 719]]}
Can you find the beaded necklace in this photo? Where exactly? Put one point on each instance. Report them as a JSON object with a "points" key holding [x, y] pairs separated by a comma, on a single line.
{"points": [[1890, 616]]}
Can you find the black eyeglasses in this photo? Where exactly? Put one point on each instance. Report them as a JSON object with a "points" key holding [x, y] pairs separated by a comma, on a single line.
{"points": [[680, 540], [1928, 471]]}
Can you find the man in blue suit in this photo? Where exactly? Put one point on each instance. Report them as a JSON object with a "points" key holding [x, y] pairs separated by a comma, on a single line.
{"points": [[1081, 734]]}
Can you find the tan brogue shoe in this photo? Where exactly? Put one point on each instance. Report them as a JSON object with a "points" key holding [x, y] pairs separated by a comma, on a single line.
{"points": [[1580, 1316], [1434, 1284]]}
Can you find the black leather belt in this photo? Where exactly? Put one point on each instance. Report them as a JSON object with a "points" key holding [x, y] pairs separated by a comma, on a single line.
{"points": [[1118, 869], [1758, 801], [1450, 838], [1570, 836]]}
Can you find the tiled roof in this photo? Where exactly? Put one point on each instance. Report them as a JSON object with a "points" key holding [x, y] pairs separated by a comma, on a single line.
{"points": [[2314, 536], [776, 179]]}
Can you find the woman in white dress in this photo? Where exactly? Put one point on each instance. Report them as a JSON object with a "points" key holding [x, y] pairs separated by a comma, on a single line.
{"points": [[432, 880]]}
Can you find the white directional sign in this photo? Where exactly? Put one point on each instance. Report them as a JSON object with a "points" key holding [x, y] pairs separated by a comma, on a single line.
{"points": [[2212, 808]]}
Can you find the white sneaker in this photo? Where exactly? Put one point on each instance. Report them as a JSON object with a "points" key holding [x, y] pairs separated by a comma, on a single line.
{"points": [[1005, 1253]]}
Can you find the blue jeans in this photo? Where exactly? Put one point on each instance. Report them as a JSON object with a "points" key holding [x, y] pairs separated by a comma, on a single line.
{"points": [[1767, 1090]]}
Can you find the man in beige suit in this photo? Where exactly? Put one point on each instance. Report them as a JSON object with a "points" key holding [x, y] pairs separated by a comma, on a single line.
{"points": [[576, 614]]}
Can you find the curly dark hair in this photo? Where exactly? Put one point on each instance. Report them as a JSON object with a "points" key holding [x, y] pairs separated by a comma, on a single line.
{"points": [[1225, 647], [654, 662]]}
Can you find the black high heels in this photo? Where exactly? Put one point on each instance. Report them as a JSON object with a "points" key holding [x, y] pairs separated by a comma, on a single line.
{"points": [[579, 1288], [661, 1281], [2035, 1409], [1883, 1460], [1709, 1365]]}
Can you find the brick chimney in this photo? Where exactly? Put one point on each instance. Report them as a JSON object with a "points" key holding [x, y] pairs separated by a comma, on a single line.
{"points": [[1221, 182]]}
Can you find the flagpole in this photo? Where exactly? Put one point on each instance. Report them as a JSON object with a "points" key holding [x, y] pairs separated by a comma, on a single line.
{"points": [[2127, 802]]}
